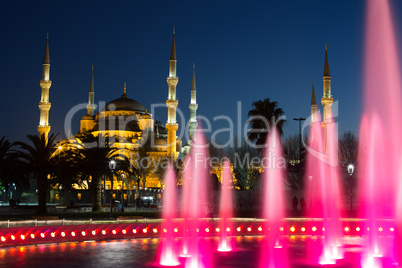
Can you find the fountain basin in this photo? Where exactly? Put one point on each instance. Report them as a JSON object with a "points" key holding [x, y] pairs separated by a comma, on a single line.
{"points": [[103, 231]]}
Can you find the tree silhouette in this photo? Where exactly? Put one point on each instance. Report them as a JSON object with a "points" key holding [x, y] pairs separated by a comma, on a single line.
{"points": [[39, 159], [96, 152], [262, 117], [12, 170]]}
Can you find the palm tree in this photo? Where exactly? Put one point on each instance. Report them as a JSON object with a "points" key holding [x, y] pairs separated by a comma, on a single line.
{"points": [[12, 170], [39, 160], [263, 116], [96, 153], [67, 173]]}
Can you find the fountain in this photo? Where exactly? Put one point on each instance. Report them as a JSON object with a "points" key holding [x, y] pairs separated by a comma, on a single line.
{"points": [[168, 255], [323, 192], [196, 206], [185, 207], [380, 146], [273, 251], [226, 210]]}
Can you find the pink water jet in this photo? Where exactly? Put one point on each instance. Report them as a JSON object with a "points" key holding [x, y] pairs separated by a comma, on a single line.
{"points": [[226, 210], [168, 251], [380, 157], [323, 192], [197, 204], [185, 207], [273, 250]]}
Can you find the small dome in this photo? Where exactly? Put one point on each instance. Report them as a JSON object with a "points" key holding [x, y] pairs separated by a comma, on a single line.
{"points": [[146, 115], [159, 123], [160, 142], [124, 104], [87, 117]]}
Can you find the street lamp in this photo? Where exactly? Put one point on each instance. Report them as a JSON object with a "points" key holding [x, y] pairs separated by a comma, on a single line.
{"points": [[60, 187], [112, 167], [351, 169], [122, 193], [300, 137]]}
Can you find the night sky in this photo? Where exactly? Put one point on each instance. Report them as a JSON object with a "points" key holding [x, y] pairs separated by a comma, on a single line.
{"points": [[243, 51]]}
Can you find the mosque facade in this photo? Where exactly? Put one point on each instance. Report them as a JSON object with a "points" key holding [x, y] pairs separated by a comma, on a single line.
{"points": [[129, 123]]}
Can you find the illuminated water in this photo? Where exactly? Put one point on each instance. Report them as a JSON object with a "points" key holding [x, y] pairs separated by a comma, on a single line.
{"points": [[380, 134], [273, 253], [226, 211], [142, 253]]}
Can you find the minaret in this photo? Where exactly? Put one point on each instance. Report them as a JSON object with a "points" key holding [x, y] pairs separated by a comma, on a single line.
{"points": [[327, 100], [87, 121], [91, 98], [172, 102], [44, 104], [313, 106], [193, 107]]}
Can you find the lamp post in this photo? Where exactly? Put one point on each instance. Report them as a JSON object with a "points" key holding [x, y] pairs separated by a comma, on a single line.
{"points": [[351, 169], [60, 188], [300, 137], [122, 193], [112, 167]]}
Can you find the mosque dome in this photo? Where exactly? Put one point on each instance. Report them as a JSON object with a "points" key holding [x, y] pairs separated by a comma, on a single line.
{"points": [[87, 117], [124, 104], [160, 142], [146, 115]]}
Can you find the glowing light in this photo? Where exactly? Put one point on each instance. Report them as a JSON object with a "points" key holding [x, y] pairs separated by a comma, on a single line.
{"points": [[217, 230], [144, 230], [314, 229], [32, 236], [176, 230], [72, 233], [93, 232], [249, 229], [22, 237], [3, 239], [42, 235], [281, 229], [323, 229], [238, 229], [114, 232], [207, 230], [103, 232], [303, 229], [53, 234], [12, 237], [292, 229], [391, 229], [228, 229], [165, 230], [124, 231], [155, 230], [380, 229], [83, 233], [63, 234], [134, 231], [347, 229], [358, 229], [198, 230], [259, 229]]}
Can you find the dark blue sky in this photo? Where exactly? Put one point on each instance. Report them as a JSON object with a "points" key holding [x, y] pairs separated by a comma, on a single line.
{"points": [[243, 50]]}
